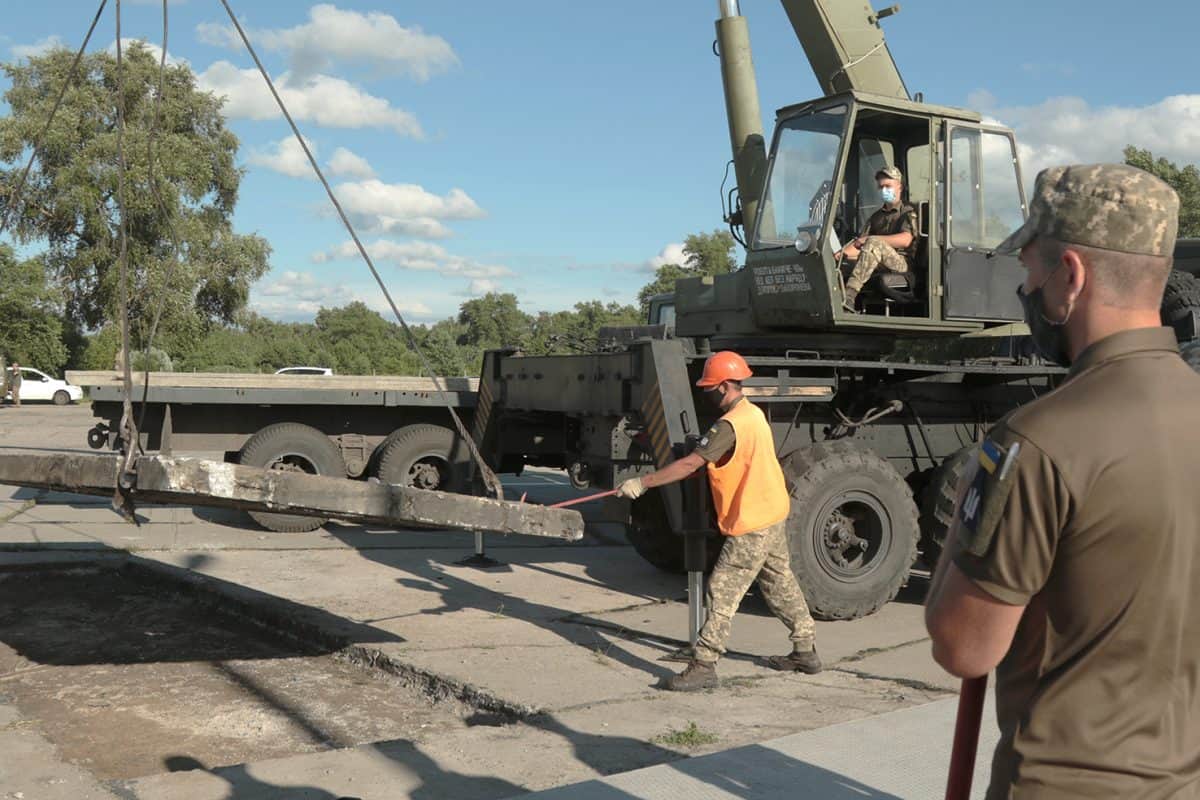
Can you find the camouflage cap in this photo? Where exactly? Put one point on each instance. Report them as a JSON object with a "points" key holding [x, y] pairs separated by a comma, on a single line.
{"points": [[1110, 206], [890, 172]]}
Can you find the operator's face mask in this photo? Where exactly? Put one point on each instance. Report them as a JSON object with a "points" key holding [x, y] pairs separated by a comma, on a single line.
{"points": [[1049, 337], [887, 194]]}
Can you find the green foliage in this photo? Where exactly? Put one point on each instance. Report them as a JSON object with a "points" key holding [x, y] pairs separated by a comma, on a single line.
{"points": [[70, 200], [704, 254], [493, 320], [691, 736], [31, 330], [1184, 180]]}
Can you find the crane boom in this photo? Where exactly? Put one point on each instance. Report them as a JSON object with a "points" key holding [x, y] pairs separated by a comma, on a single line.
{"points": [[845, 46]]}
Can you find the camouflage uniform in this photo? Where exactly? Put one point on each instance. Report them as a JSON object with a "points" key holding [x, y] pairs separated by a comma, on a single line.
{"points": [[874, 254], [763, 555]]}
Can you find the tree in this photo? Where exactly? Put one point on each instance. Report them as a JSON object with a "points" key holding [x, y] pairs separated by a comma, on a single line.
{"points": [[31, 330], [704, 254], [1184, 180], [493, 320], [70, 200]]}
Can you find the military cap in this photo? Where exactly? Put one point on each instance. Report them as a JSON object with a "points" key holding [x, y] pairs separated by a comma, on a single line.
{"points": [[1110, 206], [890, 172]]}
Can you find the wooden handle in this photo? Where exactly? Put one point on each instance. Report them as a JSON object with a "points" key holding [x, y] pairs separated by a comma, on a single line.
{"points": [[966, 738]]}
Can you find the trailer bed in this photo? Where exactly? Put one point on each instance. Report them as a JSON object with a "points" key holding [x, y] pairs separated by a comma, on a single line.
{"points": [[254, 389]]}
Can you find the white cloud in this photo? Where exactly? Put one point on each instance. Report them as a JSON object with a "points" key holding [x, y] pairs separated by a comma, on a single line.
{"points": [[128, 44], [405, 208], [322, 99], [346, 164], [285, 157], [300, 295], [219, 35], [481, 286], [416, 256], [333, 34], [671, 254], [40, 47], [1065, 130]]}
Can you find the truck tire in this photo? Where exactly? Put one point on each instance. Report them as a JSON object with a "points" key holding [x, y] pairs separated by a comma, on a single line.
{"points": [[1181, 295], [853, 529], [61, 398], [650, 534], [295, 447], [937, 502], [425, 457], [1191, 353]]}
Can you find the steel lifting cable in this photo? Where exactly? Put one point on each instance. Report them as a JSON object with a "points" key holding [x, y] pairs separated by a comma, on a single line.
{"points": [[489, 478], [152, 154], [129, 433], [12, 203]]}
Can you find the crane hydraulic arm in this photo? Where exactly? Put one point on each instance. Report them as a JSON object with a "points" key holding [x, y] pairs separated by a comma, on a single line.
{"points": [[847, 51], [845, 46]]}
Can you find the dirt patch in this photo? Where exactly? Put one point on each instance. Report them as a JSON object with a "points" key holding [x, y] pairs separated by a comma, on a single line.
{"points": [[123, 676]]}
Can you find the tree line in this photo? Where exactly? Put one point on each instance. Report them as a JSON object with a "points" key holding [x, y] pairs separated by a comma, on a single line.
{"points": [[59, 292]]}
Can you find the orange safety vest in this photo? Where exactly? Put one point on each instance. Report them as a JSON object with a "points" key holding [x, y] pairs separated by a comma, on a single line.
{"points": [[749, 491]]}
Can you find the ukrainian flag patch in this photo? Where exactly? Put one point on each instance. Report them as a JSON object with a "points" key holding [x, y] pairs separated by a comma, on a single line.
{"points": [[990, 456]]}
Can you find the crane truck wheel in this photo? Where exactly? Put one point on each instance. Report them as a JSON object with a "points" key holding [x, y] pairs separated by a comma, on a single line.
{"points": [[937, 502], [650, 534], [853, 529], [425, 457], [293, 447], [1181, 295]]}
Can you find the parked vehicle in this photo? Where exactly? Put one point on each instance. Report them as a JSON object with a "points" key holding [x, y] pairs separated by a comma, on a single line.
{"points": [[304, 371], [37, 385]]}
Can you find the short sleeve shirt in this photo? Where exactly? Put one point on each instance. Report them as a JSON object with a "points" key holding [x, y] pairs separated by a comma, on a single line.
{"points": [[901, 219], [1084, 508], [717, 443]]}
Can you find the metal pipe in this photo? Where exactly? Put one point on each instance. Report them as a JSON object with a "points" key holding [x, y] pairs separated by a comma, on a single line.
{"points": [[696, 610], [729, 8]]}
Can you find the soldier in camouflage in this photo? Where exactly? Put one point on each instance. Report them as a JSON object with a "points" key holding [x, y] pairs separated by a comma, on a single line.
{"points": [[752, 504], [889, 239]]}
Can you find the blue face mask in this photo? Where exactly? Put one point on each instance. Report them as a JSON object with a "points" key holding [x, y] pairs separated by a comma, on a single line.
{"points": [[888, 194]]}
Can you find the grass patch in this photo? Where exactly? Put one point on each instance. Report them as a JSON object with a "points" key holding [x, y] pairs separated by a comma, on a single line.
{"points": [[691, 736]]}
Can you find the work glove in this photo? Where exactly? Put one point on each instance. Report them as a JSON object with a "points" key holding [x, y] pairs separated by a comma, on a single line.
{"points": [[631, 489]]}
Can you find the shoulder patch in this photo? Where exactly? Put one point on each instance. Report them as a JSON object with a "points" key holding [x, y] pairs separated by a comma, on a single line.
{"points": [[983, 504]]}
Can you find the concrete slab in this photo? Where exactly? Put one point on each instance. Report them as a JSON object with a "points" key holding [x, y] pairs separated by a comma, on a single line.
{"points": [[885, 757], [31, 767], [194, 481]]}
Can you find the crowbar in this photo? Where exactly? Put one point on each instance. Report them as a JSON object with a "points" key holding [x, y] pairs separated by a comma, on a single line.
{"points": [[966, 738]]}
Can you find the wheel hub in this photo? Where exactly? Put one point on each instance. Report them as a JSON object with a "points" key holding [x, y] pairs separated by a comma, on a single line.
{"points": [[841, 540], [424, 475]]}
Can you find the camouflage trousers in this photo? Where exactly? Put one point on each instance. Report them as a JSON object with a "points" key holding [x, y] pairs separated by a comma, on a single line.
{"points": [[761, 554], [874, 254]]}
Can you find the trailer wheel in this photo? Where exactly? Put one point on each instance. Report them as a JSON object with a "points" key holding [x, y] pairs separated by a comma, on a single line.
{"points": [[425, 457], [937, 502], [852, 530], [651, 536], [292, 447]]}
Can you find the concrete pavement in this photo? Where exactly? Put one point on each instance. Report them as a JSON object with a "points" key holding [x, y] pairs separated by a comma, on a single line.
{"points": [[553, 659]]}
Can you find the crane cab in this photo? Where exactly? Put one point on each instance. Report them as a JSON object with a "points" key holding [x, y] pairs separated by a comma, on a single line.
{"points": [[960, 175]]}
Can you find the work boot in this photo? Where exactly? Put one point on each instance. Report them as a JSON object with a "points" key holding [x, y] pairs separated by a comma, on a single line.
{"points": [[849, 299], [698, 675], [806, 661]]}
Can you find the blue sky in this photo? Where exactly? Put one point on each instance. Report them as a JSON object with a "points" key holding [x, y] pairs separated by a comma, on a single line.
{"points": [[560, 149]]}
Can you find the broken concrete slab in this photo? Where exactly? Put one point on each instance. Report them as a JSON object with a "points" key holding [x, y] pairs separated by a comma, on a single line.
{"points": [[193, 481]]}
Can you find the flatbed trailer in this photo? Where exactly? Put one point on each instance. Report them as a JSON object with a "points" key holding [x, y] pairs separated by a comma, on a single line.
{"points": [[396, 429]]}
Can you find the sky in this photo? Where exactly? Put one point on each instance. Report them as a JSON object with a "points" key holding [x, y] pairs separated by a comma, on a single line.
{"points": [[562, 150]]}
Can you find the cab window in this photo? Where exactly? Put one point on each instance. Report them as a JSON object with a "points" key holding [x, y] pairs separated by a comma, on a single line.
{"points": [[985, 195]]}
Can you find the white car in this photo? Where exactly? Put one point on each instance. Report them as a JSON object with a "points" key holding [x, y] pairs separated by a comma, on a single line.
{"points": [[304, 371], [37, 385]]}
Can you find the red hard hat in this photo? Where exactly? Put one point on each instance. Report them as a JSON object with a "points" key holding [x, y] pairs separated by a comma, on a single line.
{"points": [[724, 366]]}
